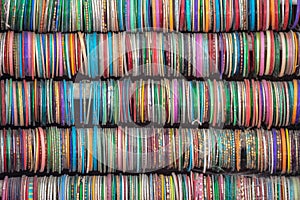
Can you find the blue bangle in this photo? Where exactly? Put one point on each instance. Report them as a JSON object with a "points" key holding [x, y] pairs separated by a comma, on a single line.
{"points": [[252, 15], [110, 49], [191, 150], [120, 14], [217, 9], [139, 17], [20, 57], [74, 146]]}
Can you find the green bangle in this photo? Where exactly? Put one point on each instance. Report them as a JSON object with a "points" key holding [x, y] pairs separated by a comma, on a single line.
{"points": [[235, 102], [211, 99]]}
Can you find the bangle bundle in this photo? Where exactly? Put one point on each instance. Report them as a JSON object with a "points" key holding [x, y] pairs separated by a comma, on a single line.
{"points": [[25, 103], [149, 54], [137, 150], [185, 97], [145, 15], [152, 186], [170, 101]]}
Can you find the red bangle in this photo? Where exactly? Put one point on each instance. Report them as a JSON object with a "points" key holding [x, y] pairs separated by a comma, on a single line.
{"points": [[228, 15], [286, 14], [237, 15], [182, 16], [272, 61], [276, 15]]}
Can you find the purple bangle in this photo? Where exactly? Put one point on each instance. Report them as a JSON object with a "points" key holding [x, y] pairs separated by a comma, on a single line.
{"points": [[297, 15], [266, 98], [60, 55], [222, 63], [62, 102], [196, 16], [55, 52], [274, 150], [260, 103], [25, 53], [298, 104], [197, 55]]}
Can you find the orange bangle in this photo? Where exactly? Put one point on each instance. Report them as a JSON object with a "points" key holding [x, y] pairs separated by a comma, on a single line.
{"points": [[296, 52], [171, 15], [283, 145], [154, 14], [72, 54], [272, 12], [207, 15], [295, 102]]}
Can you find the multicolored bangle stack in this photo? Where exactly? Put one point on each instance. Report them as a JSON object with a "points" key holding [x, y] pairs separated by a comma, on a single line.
{"points": [[248, 104], [145, 15], [150, 54], [136, 86], [137, 150], [152, 186], [25, 103]]}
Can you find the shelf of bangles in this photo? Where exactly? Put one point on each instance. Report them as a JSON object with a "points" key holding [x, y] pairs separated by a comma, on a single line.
{"points": [[247, 103], [60, 56], [149, 15], [152, 186], [141, 150]]}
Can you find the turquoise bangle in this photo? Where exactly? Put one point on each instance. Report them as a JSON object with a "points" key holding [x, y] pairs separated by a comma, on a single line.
{"points": [[188, 15]]}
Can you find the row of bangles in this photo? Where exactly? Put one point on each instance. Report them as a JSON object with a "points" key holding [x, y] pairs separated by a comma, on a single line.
{"points": [[150, 186], [198, 55], [142, 150], [148, 15], [247, 103]]}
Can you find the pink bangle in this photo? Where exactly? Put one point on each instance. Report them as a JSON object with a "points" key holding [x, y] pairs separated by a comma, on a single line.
{"points": [[11, 39], [270, 105], [262, 54], [157, 14], [120, 148], [175, 101], [200, 55], [4, 188], [43, 149], [30, 55]]}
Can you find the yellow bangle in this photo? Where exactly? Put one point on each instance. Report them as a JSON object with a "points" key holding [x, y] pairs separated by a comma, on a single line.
{"points": [[295, 101], [287, 138]]}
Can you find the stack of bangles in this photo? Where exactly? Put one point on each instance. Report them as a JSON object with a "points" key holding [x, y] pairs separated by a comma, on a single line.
{"points": [[137, 150], [203, 55], [148, 15], [152, 186], [25, 103], [245, 103]]}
